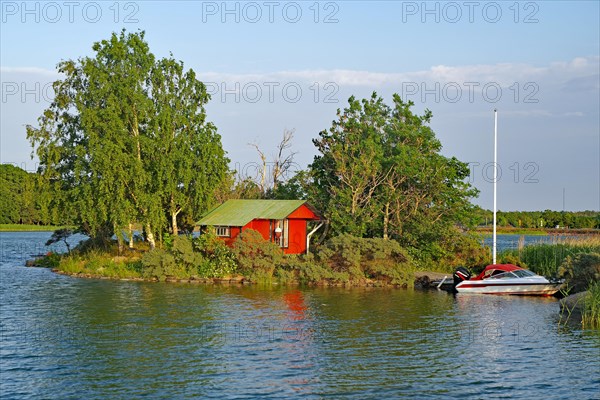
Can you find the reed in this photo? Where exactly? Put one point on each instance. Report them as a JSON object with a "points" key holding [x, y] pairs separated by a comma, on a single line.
{"points": [[590, 316], [546, 258]]}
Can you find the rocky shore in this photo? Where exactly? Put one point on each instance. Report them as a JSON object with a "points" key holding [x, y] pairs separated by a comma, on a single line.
{"points": [[573, 305]]}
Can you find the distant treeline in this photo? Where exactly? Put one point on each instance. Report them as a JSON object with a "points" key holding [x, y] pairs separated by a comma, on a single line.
{"points": [[541, 219], [26, 199]]}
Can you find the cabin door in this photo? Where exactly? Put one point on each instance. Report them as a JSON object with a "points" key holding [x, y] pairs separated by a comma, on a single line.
{"points": [[281, 232]]}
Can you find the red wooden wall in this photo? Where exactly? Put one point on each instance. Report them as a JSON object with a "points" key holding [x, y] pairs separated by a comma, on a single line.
{"points": [[297, 230]]}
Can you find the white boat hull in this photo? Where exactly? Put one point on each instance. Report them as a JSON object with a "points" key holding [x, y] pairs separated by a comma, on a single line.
{"points": [[526, 286]]}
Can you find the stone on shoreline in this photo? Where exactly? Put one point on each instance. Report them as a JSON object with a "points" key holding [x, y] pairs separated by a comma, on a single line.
{"points": [[573, 303], [430, 280]]}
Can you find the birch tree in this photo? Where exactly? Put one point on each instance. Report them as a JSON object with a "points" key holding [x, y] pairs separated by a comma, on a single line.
{"points": [[127, 138], [189, 163]]}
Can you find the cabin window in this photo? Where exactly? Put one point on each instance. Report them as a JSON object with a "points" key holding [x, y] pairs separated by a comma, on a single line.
{"points": [[222, 231]]}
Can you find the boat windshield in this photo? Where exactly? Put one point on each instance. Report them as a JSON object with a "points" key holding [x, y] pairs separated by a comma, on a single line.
{"points": [[519, 273], [503, 275], [523, 273]]}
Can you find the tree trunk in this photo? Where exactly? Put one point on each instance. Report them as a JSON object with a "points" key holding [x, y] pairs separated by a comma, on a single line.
{"points": [[68, 246], [119, 236], [386, 221], [174, 223], [150, 237], [130, 236], [174, 213], [136, 134]]}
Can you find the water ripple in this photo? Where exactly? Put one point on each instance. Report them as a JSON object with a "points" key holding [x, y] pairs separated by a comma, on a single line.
{"points": [[71, 338]]}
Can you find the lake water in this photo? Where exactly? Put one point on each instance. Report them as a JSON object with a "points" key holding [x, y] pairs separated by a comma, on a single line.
{"points": [[63, 337], [506, 242]]}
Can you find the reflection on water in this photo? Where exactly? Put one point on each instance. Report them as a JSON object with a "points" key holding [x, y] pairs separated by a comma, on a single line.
{"points": [[64, 337]]}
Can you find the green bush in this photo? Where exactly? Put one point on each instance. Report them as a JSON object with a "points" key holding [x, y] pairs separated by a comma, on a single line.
{"points": [[304, 269], [468, 250], [180, 262], [580, 270], [205, 256], [219, 260], [159, 264], [50, 260], [361, 259], [285, 275], [508, 258], [183, 251], [256, 257]]}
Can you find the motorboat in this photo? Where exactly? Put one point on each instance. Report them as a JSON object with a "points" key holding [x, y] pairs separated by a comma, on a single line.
{"points": [[504, 279]]}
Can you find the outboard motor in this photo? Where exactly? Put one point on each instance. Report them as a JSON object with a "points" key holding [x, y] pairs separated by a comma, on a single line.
{"points": [[461, 274]]}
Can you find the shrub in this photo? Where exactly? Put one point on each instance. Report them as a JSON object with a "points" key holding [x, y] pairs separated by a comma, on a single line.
{"points": [[367, 259], [179, 262], [256, 257], [304, 269], [219, 260], [50, 260], [205, 256], [285, 275], [183, 251], [511, 259], [468, 250], [159, 264], [580, 270]]}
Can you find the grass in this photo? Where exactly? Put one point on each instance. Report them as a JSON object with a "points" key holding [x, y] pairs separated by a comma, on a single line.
{"points": [[546, 258], [96, 264], [29, 228], [590, 316], [344, 261]]}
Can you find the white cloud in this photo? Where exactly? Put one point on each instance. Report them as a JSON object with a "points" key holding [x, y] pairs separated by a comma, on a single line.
{"points": [[28, 71], [576, 74], [504, 74]]}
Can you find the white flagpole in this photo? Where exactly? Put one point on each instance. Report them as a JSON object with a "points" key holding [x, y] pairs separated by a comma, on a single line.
{"points": [[495, 182]]}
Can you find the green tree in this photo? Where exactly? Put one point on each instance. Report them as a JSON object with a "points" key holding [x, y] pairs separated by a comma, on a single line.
{"points": [[127, 139], [189, 161], [13, 187], [90, 139], [349, 169], [380, 174]]}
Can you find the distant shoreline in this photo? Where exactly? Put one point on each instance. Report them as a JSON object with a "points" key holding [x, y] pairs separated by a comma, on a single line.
{"points": [[29, 228], [538, 231], [501, 230]]}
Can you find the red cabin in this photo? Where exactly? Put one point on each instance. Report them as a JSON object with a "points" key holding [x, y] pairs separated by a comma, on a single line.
{"points": [[284, 222]]}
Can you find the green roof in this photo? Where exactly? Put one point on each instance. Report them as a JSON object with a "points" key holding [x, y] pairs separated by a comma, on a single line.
{"points": [[240, 212]]}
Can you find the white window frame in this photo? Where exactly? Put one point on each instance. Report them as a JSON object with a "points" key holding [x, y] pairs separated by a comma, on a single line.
{"points": [[223, 231]]}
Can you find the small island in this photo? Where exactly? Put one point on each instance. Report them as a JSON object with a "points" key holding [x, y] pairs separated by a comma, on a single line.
{"points": [[129, 158]]}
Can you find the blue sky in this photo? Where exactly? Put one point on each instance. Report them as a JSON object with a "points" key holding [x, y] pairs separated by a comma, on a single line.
{"points": [[281, 65]]}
